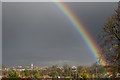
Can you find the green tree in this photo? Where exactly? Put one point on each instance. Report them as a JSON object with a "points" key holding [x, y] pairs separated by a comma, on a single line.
{"points": [[69, 72], [84, 76], [26, 72], [36, 74], [55, 74], [13, 74]]}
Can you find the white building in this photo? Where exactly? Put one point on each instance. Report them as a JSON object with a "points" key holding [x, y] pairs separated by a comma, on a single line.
{"points": [[32, 66]]}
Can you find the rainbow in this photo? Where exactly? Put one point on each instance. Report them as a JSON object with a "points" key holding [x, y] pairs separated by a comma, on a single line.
{"points": [[82, 32]]}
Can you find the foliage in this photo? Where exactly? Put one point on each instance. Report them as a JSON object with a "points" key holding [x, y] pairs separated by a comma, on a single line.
{"points": [[12, 74], [84, 76], [110, 39], [36, 74], [26, 72], [55, 74], [69, 72], [80, 69]]}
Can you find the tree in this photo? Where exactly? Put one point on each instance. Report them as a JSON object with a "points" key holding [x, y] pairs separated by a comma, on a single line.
{"points": [[55, 74], [80, 69], [110, 39], [67, 70], [26, 72], [12, 74], [84, 75], [36, 74]]}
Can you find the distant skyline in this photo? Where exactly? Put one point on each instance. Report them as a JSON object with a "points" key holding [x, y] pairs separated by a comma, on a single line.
{"points": [[39, 33]]}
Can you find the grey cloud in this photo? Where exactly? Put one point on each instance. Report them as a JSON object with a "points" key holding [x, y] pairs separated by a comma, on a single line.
{"points": [[39, 32]]}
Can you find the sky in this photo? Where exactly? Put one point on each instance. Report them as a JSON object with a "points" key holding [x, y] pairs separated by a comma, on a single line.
{"points": [[39, 33], [60, 0]]}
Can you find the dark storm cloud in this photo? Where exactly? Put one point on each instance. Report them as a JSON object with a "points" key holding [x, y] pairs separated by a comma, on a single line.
{"points": [[0, 35], [39, 33], [93, 15]]}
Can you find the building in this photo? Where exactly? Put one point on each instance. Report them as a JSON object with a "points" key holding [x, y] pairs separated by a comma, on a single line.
{"points": [[32, 66]]}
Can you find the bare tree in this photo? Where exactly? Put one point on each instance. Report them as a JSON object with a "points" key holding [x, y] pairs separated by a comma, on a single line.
{"points": [[110, 39]]}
